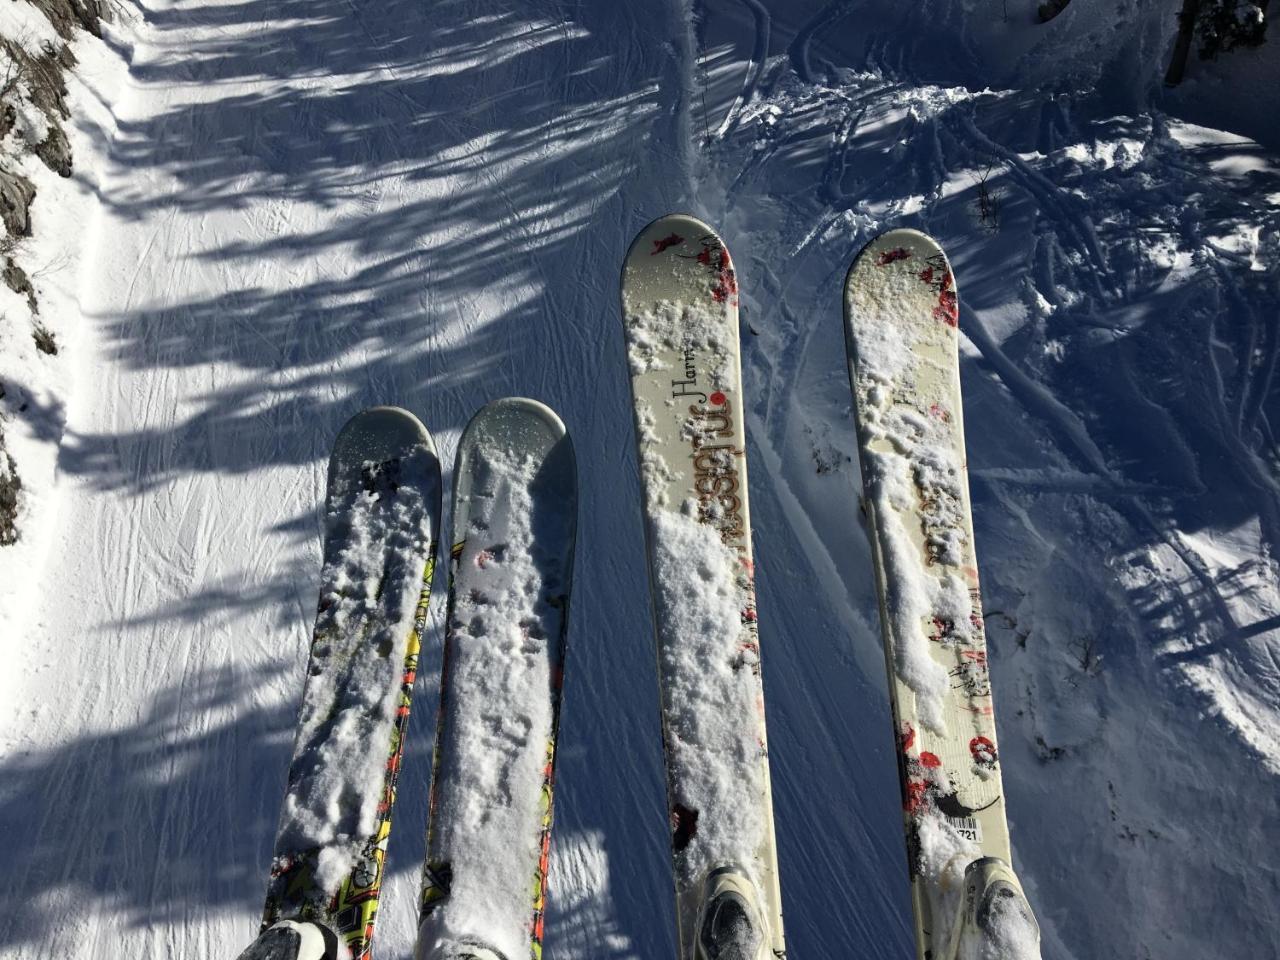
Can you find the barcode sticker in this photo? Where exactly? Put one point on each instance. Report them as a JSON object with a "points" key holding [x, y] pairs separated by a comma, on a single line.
{"points": [[967, 827]]}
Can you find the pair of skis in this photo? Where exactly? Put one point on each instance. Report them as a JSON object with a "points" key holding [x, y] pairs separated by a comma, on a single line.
{"points": [[680, 307], [510, 573], [515, 475]]}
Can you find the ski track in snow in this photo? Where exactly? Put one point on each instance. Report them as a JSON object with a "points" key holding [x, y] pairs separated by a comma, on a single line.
{"points": [[311, 208]]}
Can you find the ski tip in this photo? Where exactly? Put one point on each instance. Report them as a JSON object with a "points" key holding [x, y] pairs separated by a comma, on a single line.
{"points": [[892, 246], [383, 428], [524, 426], [517, 421], [381, 433], [658, 235], [535, 436], [901, 277], [679, 258]]}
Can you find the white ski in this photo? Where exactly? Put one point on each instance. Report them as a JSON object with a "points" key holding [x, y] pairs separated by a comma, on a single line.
{"points": [[680, 312], [901, 315], [382, 514], [514, 524]]}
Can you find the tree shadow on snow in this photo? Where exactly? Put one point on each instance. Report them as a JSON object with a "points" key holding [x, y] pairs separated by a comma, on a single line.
{"points": [[398, 203]]}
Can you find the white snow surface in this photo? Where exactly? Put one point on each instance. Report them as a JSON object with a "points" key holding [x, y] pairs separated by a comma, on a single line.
{"points": [[23, 24], [282, 213], [1010, 936], [37, 388]]}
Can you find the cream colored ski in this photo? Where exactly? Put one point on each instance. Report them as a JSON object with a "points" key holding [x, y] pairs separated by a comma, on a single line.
{"points": [[901, 315], [680, 312]]}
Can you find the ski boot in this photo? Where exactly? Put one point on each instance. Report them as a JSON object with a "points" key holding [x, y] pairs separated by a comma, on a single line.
{"points": [[432, 948], [468, 951], [730, 924], [994, 918], [294, 940]]}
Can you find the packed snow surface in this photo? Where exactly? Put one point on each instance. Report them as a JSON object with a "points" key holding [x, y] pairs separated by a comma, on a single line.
{"points": [[379, 535], [504, 655], [286, 212]]}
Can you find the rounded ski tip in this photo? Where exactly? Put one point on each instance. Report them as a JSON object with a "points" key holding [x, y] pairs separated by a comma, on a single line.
{"points": [[669, 231], [383, 433], [678, 257], [389, 430], [893, 246], [901, 276], [464, 950], [525, 427], [515, 423]]}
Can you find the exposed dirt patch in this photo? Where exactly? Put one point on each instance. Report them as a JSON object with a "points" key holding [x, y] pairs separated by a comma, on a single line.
{"points": [[10, 487], [16, 279], [16, 194], [44, 338]]}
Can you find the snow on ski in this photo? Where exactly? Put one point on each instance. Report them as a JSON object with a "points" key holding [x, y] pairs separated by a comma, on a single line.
{"points": [[382, 514], [511, 569], [680, 312], [901, 314]]}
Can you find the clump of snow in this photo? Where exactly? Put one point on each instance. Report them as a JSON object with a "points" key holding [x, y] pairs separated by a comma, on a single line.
{"points": [[1009, 932], [1013, 935], [709, 662], [1002, 927], [915, 598], [378, 540], [505, 649], [942, 855], [29, 122]]}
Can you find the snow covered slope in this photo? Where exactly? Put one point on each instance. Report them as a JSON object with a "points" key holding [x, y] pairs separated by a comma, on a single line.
{"points": [[309, 207]]}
